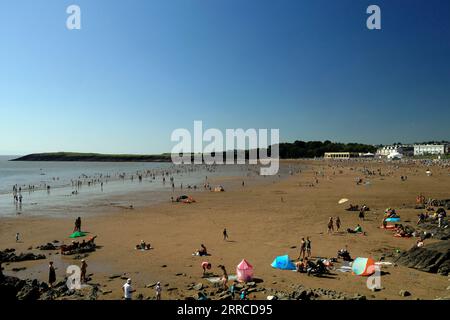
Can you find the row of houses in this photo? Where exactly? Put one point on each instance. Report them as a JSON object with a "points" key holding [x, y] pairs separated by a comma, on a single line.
{"points": [[395, 151], [414, 150]]}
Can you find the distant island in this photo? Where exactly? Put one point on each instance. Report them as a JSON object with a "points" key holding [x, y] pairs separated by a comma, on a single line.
{"points": [[295, 150], [93, 157]]}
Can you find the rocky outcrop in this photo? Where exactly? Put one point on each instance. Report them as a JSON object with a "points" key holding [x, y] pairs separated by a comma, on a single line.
{"points": [[434, 258], [432, 228], [12, 288], [9, 255]]}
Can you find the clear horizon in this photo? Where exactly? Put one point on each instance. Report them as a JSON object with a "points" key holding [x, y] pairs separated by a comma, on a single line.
{"points": [[136, 72]]}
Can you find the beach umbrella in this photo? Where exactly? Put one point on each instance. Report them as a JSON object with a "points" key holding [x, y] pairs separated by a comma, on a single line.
{"points": [[283, 263], [244, 271], [363, 266], [77, 234], [343, 200]]}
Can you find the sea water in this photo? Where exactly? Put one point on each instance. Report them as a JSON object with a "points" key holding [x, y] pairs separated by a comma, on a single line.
{"points": [[119, 189]]}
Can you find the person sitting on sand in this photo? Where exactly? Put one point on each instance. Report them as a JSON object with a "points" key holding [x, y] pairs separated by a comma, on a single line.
{"points": [[421, 218], [75, 245], [300, 266], [344, 254], [419, 243], [401, 232], [202, 251], [384, 223], [143, 246], [358, 229]]}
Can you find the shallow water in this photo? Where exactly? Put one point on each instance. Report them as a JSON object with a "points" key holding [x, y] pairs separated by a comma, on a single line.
{"points": [[121, 186]]}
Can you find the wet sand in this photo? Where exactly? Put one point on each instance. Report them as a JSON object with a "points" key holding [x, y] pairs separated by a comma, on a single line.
{"points": [[260, 226]]}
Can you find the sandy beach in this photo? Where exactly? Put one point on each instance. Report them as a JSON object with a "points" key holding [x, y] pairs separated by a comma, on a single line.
{"points": [[264, 219]]}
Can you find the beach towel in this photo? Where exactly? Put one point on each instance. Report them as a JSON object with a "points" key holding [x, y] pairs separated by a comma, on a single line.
{"points": [[344, 269], [78, 234], [232, 277]]}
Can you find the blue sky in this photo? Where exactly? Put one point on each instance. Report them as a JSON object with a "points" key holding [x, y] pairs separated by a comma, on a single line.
{"points": [[139, 69]]}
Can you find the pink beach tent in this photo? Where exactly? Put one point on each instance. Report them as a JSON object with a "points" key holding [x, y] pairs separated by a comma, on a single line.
{"points": [[244, 271]]}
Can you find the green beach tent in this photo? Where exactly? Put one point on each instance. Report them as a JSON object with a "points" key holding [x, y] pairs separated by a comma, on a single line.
{"points": [[77, 234]]}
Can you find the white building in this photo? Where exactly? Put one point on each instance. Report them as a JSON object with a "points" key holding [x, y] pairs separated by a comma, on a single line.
{"points": [[426, 149], [406, 150]]}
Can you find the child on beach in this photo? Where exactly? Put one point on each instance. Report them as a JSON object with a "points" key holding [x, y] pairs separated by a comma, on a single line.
{"points": [[233, 289], [338, 223], [158, 290]]}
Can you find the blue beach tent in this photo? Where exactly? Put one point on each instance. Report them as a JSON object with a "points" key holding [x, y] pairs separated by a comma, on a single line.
{"points": [[283, 263]]}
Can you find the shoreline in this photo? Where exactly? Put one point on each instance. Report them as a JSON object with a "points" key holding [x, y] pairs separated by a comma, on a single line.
{"points": [[261, 226]]}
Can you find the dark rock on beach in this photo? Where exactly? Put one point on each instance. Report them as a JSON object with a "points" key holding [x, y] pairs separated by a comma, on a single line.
{"points": [[48, 246], [9, 255], [433, 258]]}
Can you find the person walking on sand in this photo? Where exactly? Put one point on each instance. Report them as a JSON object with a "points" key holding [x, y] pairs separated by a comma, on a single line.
{"points": [[128, 290], [83, 270], [158, 290], [330, 225], [17, 237], [308, 247], [361, 215], [338, 223], [225, 234], [302, 249], [51, 274]]}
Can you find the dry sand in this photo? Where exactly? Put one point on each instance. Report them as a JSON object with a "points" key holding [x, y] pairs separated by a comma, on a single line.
{"points": [[260, 226]]}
